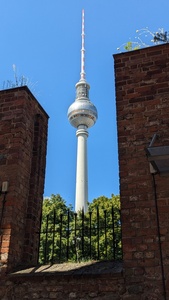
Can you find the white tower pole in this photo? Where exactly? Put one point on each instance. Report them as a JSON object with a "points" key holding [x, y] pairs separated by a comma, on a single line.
{"points": [[81, 197], [82, 114]]}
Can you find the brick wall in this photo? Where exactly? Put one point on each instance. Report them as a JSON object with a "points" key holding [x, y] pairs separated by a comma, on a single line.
{"points": [[23, 137], [142, 100], [55, 285]]}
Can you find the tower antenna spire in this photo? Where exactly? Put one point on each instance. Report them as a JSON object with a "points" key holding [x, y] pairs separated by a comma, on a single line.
{"points": [[82, 73]]}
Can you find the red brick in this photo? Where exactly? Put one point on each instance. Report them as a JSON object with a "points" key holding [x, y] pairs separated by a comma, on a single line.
{"points": [[17, 134], [146, 113]]}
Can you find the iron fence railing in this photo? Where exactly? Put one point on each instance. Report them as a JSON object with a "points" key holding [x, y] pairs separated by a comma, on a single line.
{"points": [[68, 236]]}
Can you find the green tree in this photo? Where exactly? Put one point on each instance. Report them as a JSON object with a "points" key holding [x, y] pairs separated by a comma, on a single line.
{"points": [[75, 237], [54, 222], [106, 216]]}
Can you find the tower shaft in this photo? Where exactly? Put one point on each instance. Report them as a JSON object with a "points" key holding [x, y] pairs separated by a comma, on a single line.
{"points": [[81, 198], [82, 114]]}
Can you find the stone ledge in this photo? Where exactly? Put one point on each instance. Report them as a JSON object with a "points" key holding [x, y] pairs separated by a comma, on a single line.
{"points": [[92, 268]]}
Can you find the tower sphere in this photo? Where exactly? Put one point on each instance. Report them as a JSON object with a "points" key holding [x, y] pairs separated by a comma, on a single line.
{"points": [[82, 112]]}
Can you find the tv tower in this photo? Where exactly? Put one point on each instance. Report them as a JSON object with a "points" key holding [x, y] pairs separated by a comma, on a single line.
{"points": [[82, 114]]}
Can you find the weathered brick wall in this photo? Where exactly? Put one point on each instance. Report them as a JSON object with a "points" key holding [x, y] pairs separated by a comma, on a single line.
{"points": [[63, 287], [22, 122], [142, 100]]}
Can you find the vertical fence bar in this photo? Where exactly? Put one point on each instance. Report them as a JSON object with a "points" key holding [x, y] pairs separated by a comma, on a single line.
{"points": [[120, 238], [98, 235], [75, 240], [46, 238], [39, 234], [68, 233], [53, 235], [60, 234], [105, 231], [113, 228], [83, 233], [90, 233]]}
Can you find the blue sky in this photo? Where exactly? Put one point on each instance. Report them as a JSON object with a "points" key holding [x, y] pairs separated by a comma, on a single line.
{"points": [[43, 39]]}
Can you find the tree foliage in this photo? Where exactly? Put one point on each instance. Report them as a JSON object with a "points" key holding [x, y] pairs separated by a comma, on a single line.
{"points": [[66, 236]]}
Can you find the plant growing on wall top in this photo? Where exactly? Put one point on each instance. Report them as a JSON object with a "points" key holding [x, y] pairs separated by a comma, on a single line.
{"points": [[18, 81], [149, 39]]}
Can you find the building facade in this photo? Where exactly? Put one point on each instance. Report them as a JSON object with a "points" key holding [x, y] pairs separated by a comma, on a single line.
{"points": [[142, 101], [23, 142]]}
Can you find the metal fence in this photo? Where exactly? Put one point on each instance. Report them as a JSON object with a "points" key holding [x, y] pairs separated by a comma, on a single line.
{"points": [[68, 236]]}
